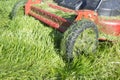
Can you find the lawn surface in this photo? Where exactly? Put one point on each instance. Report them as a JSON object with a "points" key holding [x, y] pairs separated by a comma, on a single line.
{"points": [[29, 50]]}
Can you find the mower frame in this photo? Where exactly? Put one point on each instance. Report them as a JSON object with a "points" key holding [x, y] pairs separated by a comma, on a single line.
{"points": [[84, 20], [107, 26]]}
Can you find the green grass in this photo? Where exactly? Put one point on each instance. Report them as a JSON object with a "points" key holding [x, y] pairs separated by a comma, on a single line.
{"points": [[29, 50]]}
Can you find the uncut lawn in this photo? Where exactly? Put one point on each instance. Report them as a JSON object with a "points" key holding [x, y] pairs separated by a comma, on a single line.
{"points": [[30, 50]]}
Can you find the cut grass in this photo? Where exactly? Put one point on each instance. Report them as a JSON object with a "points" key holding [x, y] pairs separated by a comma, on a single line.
{"points": [[30, 50]]}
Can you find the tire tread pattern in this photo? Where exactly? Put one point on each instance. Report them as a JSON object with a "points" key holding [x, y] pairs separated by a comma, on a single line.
{"points": [[71, 35], [16, 7]]}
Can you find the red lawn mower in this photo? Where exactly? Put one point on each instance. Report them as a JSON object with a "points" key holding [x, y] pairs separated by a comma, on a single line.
{"points": [[81, 34]]}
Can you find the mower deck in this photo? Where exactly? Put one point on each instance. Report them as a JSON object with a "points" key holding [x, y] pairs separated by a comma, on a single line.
{"points": [[47, 15]]}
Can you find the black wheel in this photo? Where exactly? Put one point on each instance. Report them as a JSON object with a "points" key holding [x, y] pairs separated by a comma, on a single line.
{"points": [[16, 7], [80, 38]]}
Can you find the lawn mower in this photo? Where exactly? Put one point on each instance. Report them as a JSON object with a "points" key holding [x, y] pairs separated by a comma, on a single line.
{"points": [[81, 33]]}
